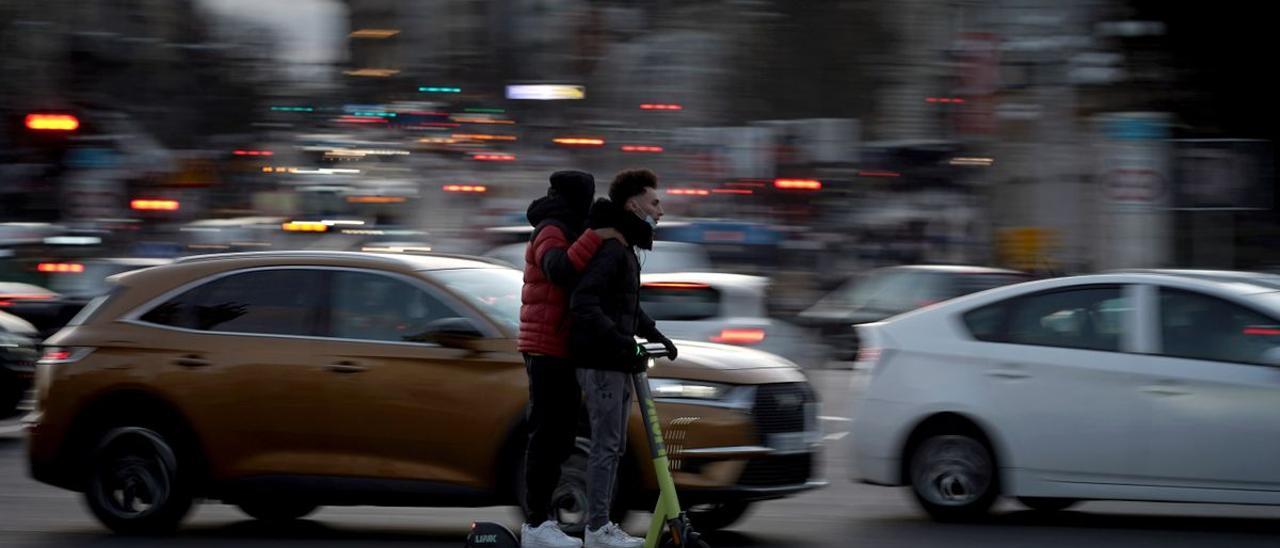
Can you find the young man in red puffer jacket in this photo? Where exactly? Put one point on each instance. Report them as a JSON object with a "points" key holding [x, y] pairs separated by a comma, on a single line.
{"points": [[551, 270]]}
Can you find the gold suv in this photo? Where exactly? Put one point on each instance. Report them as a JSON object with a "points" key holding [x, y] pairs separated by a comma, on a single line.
{"points": [[284, 381]]}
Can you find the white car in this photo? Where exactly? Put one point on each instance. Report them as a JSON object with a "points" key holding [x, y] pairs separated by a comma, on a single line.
{"points": [[1144, 385], [725, 308]]}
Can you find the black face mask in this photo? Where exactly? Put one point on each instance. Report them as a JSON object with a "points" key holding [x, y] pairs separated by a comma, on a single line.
{"points": [[635, 230]]}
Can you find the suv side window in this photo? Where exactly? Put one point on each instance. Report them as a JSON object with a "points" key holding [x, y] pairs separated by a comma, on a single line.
{"points": [[1200, 327], [269, 302], [1087, 318], [378, 307]]}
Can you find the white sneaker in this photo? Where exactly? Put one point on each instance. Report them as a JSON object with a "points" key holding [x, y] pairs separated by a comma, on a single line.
{"points": [[547, 535], [612, 536]]}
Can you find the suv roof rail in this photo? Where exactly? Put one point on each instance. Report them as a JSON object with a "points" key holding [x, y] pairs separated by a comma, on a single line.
{"points": [[268, 255], [386, 256]]}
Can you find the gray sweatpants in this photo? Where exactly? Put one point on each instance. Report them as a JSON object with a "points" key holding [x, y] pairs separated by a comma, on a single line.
{"points": [[608, 405]]}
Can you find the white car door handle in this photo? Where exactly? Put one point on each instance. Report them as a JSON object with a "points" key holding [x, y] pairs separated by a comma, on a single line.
{"points": [[1165, 390], [1008, 374]]}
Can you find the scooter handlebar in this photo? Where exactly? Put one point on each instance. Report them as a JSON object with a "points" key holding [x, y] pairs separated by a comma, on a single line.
{"points": [[654, 350]]}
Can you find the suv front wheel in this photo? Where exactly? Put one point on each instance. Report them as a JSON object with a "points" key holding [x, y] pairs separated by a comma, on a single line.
{"points": [[134, 482]]}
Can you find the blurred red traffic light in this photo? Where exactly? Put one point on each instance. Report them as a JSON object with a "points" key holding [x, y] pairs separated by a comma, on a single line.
{"points": [[641, 148]]}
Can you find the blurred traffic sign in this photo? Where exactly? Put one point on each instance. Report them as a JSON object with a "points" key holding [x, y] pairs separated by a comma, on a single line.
{"points": [[1134, 184]]}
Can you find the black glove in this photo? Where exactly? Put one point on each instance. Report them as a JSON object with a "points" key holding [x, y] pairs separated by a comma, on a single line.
{"points": [[639, 362], [671, 348]]}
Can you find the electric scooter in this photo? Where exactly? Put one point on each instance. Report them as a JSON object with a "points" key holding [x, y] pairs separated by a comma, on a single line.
{"points": [[670, 527], [667, 514]]}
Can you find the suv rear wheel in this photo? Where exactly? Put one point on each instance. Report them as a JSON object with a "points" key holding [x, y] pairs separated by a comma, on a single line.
{"points": [[135, 484]]}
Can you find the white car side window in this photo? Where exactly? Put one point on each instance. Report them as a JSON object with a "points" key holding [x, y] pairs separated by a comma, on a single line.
{"points": [[1090, 318], [1197, 326]]}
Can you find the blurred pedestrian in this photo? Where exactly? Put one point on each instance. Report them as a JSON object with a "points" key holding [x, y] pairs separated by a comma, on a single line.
{"points": [[551, 269], [607, 316]]}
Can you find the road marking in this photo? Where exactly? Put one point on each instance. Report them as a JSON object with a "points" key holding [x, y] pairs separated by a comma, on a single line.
{"points": [[10, 429], [835, 436], [836, 419]]}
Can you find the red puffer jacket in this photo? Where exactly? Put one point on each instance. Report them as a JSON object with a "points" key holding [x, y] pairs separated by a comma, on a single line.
{"points": [[551, 267]]}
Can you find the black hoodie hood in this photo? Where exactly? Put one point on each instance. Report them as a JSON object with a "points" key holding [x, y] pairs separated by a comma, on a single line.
{"points": [[567, 201], [606, 214]]}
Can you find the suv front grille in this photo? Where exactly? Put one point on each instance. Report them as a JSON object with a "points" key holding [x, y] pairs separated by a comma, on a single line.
{"points": [[784, 411], [782, 408]]}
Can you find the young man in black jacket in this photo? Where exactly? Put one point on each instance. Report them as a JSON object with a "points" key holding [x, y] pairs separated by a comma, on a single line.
{"points": [[606, 318]]}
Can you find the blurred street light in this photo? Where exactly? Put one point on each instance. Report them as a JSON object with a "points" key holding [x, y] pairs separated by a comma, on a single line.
{"points": [[154, 205], [579, 141], [374, 34], [52, 122], [373, 72], [797, 184]]}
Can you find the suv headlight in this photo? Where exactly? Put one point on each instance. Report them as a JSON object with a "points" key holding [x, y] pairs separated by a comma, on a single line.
{"points": [[677, 388], [707, 393]]}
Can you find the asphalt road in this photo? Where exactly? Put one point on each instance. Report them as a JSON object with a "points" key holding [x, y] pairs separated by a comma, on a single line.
{"points": [[844, 514]]}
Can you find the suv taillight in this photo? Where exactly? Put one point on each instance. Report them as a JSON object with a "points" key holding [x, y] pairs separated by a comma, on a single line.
{"points": [[56, 355]]}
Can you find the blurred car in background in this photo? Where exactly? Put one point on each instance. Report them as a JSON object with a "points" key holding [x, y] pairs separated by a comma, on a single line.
{"points": [[71, 285], [281, 381], [664, 257], [887, 292], [736, 246], [1147, 386], [34, 304], [728, 309], [19, 350]]}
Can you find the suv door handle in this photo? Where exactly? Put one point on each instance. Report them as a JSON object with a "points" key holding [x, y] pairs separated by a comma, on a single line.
{"points": [[191, 361], [346, 367]]}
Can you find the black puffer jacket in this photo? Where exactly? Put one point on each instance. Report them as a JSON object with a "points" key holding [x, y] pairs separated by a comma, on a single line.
{"points": [[605, 306]]}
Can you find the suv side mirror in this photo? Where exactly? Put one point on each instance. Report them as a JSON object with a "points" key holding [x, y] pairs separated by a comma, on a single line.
{"points": [[454, 332]]}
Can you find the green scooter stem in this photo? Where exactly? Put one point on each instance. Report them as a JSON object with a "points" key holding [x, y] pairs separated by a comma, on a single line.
{"points": [[667, 511]]}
